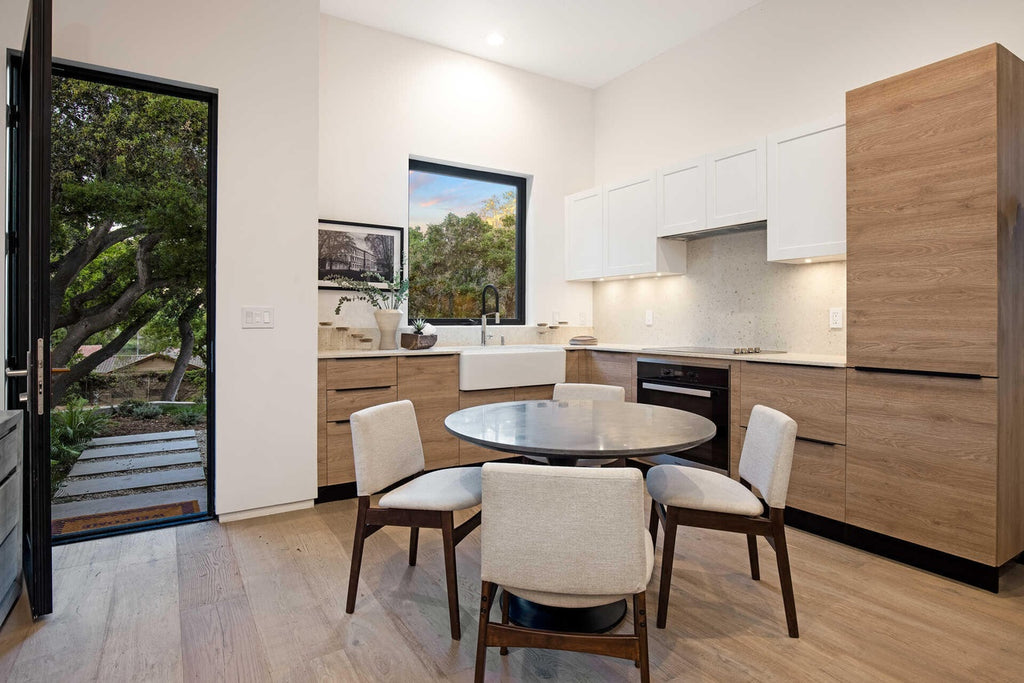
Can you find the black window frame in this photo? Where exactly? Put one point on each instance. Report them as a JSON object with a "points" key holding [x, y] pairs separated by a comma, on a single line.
{"points": [[519, 182]]}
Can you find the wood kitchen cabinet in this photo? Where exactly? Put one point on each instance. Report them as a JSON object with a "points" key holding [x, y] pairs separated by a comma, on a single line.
{"points": [[813, 396], [611, 367], [470, 453], [736, 187], [432, 384], [807, 192], [572, 365], [682, 198]]}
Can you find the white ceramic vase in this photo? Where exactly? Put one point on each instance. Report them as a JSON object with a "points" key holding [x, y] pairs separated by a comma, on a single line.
{"points": [[387, 323]]}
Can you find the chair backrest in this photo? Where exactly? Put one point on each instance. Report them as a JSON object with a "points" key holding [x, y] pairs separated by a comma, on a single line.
{"points": [[767, 456], [570, 530], [588, 392], [386, 446]]}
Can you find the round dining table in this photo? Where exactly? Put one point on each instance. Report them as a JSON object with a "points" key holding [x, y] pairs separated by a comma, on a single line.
{"points": [[565, 432]]}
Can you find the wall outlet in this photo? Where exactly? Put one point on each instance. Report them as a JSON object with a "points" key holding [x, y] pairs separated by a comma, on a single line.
{"points": [[257, 317], [835, 318], [648, 317]]}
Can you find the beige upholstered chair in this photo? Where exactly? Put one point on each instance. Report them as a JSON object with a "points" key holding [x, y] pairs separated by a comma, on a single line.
{"points": [[387, 450], [694, 497], [585, 392], [536, 547]]}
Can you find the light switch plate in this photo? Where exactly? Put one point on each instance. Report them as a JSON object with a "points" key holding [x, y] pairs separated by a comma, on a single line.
{"points": [[835, 318], [648, 317], [257, 317]]}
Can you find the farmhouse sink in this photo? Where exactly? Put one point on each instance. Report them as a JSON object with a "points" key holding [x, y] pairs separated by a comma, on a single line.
{"points": [[497, 367]]}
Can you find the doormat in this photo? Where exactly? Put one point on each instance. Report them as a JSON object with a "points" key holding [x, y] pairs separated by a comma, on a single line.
{"points": [[121, 517]]}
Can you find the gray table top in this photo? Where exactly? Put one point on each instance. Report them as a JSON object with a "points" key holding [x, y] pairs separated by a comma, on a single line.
{"points": [[580, 429]]}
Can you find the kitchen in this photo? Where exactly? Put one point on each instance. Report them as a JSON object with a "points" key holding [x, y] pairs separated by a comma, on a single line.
{"points": [[769, 69]]}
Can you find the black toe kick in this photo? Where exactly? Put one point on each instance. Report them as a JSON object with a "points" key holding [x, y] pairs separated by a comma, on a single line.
{"points": [[950, 566]]}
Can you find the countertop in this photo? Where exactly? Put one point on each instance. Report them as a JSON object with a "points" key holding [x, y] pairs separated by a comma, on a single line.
{"points": [[822, 360]]}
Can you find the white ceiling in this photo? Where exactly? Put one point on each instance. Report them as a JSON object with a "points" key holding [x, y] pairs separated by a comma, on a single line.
{"points": [[588, 42]]}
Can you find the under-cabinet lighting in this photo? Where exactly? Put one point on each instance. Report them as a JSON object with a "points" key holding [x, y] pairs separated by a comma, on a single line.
{"points": [[807, 260], [495, 39]]}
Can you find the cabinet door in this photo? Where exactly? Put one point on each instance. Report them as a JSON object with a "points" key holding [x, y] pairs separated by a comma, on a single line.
{"points": [[921, 272], [631, 227], [471, 453], [572, 366], [921, 460], [432, 384], [736, 185], [807, 192], [682, 198], [613, 368], [584, 235], [814, 397]]}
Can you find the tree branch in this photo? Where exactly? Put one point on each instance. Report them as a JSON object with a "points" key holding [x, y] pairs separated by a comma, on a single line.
{"points": [[64, 271]]}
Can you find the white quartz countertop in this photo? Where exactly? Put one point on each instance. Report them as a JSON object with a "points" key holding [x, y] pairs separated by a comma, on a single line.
{"points": [[822, 360]]}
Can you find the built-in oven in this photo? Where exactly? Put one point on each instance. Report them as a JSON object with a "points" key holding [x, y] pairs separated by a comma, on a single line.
{"points": [[695, 389]]}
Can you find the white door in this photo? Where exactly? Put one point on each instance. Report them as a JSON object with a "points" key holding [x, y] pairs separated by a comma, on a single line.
{"points": [[584, 234], [682, 200], [736, 185], [807, 192], [631, 227]]}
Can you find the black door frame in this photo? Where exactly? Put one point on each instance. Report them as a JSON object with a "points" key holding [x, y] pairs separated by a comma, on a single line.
{"points": [[161, 86]]}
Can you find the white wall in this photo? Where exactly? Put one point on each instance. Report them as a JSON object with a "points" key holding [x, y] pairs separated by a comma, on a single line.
{"points": [[384, 98], [779, 64], [262, 57]]}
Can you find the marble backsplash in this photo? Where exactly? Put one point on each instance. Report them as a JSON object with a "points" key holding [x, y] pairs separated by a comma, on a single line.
{"points": [[730, 296], [330, 338]]}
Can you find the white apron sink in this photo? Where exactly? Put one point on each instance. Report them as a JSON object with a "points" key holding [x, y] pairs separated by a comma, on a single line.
{"points": [[497, 367]]}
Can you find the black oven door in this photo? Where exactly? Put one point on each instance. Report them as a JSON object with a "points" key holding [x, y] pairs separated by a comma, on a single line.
{"points": [[709, 402]]}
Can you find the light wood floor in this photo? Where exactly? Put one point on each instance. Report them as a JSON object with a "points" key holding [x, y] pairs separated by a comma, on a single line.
{"points": [[263, 599]]}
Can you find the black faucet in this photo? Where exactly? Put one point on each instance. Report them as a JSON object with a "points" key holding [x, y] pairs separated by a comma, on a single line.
{"points": [[484, 312]]}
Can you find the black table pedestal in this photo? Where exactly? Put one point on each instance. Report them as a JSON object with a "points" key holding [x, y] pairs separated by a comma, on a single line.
{"points": [[600, 619]]}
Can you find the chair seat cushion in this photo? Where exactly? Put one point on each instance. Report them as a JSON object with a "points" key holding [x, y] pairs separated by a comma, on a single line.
{"points": [[697, 489], [575, 600], [457, 488]]}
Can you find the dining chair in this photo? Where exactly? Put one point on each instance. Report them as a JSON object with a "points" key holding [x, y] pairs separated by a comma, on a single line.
{"points": [[569, 391], [593, 552], [689, 496], [387, 450]]}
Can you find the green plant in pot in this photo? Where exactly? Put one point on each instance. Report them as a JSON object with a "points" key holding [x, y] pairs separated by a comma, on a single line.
{"points": [[385, 300]]}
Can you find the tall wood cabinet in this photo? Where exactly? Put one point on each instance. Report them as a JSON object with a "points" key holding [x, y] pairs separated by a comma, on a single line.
{"points": [[935, 270]]}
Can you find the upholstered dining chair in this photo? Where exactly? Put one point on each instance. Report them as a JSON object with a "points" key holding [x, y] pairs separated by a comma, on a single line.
{"points": [[387, 449], [689, 496], [568, 391], [593, 552]]}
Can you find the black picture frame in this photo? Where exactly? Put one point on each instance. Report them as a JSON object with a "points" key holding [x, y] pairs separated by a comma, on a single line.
{"points": [[350, 264]]}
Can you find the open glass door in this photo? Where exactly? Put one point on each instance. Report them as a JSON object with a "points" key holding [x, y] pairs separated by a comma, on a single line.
{"points": [[28, 347]]}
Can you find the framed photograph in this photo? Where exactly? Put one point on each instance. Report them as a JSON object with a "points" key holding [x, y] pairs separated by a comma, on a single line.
{"points": [[351, 250]]}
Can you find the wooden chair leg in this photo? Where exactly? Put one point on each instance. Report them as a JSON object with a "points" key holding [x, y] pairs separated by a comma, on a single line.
{"points": [[505, 599], [785, 579], [357, 555], [486, 594], [668, 552], [755, 568], [414, 542], [447, 529], [654, 522], [640, 629]]}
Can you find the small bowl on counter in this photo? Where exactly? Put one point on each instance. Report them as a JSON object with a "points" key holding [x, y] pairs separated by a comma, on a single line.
{"points": [[417, 342]]}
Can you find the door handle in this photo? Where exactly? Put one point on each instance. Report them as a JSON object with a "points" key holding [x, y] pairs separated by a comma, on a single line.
{"points": [[16, 373]]}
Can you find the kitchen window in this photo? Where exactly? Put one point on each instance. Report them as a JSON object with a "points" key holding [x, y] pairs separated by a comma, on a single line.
{"points": [[467, 229]]}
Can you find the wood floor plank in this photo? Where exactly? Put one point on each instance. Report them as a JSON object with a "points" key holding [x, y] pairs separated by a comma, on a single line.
{"points": [[263, 599]]}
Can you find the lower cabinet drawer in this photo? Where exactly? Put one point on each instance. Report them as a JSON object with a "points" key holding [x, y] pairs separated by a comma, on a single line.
{"points": [[341, 468], [10, 503], [817, 483], [341, 404]]}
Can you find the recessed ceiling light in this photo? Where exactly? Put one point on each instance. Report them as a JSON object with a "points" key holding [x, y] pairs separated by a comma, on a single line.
{"points": [[495, 39]]}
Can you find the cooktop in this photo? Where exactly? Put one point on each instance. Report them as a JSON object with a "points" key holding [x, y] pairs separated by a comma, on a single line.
{"points": [[720, 351]]}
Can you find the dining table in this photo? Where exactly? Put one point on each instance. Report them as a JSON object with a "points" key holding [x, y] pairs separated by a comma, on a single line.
{"points": [[565, 432]]}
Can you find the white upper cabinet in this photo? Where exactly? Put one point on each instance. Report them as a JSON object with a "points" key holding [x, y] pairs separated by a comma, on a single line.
{"points": [[630, 222], [736, 186], [584, 234], [807, 192], [682, 200]]}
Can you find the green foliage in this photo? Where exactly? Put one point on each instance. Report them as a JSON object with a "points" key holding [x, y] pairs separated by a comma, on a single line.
{"points": [[418, 325], [392, 295], [188, 415], [127, 408], [451, 261], [197, 378], [147, 411], [70, 430]]}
